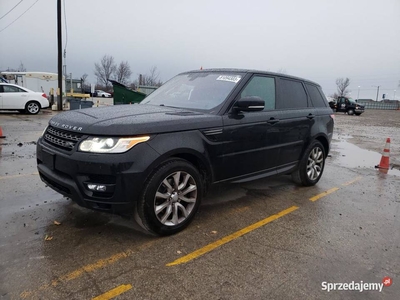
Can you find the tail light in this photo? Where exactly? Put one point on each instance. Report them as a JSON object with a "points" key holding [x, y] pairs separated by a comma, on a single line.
{"points": [[44, 95], [333, 117]]}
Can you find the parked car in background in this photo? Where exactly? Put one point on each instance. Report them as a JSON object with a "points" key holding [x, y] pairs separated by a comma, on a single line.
{"points": [[14, 97], [155, 160], [100, 93], [348, 105]]}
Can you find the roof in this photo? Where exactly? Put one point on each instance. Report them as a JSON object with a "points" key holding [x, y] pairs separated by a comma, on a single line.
{"points": [[233, 70]]}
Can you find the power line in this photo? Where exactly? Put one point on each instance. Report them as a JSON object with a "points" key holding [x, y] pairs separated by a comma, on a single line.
{"points": [[11, 9], [19, 17]]}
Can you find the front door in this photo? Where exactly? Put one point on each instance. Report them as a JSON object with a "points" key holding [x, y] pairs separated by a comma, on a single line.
{"points": [[252, 138], [13, 97]]}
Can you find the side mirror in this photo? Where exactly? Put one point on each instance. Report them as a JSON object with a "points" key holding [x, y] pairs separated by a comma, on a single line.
{"points": [[250, 103]]}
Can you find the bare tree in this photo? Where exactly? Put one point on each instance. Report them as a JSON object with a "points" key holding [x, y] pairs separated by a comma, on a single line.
{"points": [[83, 79], [342, 85], [123, 73], [21, 67], [105, 70], [152, 78]]}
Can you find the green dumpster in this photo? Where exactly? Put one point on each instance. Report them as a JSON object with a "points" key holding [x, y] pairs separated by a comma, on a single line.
{"points": [[123, 95]]}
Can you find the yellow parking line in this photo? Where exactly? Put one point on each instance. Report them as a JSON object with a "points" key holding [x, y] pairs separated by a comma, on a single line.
{"points": [[230, 237], [114, 292], [85, 269], [319, 196], [16, 176], [351, 182]]}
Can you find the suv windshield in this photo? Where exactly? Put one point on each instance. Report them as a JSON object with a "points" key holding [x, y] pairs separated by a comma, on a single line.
{"points": [[200, 91]]}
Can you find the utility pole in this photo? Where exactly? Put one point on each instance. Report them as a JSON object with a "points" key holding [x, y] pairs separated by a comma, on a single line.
{"points": [[377, 92], [60, 75]]}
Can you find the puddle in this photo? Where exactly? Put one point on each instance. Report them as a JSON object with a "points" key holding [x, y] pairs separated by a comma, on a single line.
{"points": [[349, 155]]}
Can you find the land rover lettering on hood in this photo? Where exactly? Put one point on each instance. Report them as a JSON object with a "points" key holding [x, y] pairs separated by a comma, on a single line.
{"points": [[154, 161]]}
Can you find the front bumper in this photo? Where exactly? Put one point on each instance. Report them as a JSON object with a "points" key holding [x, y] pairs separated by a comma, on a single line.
{"points": [[70, 173], [359, 110]]}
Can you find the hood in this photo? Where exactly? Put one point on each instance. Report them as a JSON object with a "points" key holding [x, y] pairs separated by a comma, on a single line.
{"points": [[123, 120]]}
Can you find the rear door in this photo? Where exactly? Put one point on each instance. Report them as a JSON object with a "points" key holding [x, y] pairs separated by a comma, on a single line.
{"points": [[296, 119]]}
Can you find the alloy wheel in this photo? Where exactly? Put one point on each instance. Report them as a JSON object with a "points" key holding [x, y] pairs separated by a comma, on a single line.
{"points": [[175, 198], [315, 163]]}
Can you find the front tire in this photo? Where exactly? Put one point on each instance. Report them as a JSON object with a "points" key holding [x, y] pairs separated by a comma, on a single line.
{"points": [[311, 165], [171, 198], [350, 112], [32, 107]]}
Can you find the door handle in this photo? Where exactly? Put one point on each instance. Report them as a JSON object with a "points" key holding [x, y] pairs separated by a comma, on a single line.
{"points": [[272, 121], [311, 116]]}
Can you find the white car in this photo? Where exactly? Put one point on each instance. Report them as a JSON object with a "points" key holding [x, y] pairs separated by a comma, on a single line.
{"points": [[15, 97], [100, 93]]}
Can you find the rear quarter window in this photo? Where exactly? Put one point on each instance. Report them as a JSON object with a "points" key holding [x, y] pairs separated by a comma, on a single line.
{"points": [[316, 97]]}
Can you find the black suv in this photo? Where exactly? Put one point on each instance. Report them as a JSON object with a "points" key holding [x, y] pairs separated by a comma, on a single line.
{"points": [[155, 160]]}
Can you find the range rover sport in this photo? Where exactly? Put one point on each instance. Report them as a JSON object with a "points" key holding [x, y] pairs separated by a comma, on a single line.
{"points": [[154, 160]]}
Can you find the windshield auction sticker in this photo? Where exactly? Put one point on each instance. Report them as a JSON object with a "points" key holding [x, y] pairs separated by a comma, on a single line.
{"points": [[230, 78]]}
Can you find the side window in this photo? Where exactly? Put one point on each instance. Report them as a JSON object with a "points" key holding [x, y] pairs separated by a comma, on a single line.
{"points": [[263, 87], [12, 89], [292, 94], [315, 95]]}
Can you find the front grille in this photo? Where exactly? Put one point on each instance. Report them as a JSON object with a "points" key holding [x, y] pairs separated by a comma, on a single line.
{"points": [[62, 139]]}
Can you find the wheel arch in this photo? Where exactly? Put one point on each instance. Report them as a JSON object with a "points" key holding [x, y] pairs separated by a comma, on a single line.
{"points": [[192, 156], [324, 141]]}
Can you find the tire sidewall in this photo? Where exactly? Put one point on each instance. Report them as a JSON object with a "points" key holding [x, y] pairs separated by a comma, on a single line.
{"points": [[146, 203]]}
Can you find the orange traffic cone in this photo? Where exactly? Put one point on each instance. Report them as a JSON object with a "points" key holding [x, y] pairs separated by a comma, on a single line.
{"points": [[384, 164], [1, 133]]}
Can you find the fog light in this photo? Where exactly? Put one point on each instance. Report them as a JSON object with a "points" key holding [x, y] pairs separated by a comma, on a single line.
{"points": [[96, 187]]}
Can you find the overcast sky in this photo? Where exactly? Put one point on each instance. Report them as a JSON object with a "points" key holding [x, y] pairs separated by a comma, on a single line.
{"points": [[320, 40]]}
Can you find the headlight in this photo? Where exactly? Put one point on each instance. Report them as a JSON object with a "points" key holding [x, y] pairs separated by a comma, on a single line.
{"points": [[110, 144]]}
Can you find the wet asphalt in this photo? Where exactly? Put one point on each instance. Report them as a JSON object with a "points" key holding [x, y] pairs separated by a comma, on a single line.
{"points": [[346, 229]]}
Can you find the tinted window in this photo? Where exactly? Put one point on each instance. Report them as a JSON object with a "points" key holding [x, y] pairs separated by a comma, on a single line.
{"points": [[263, 87], [292, 94], [315, 95]]}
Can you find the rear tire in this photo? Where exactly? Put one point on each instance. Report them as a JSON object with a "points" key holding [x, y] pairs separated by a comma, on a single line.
{"points": [[311, 165], [32, 107], [170, 198]]}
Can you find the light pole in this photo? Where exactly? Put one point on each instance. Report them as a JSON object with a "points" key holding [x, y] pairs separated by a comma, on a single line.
{"points": [[358, 94], [394, 95]]}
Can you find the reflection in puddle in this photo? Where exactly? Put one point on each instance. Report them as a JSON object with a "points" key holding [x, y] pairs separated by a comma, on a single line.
{"points": [[350, 156]]}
